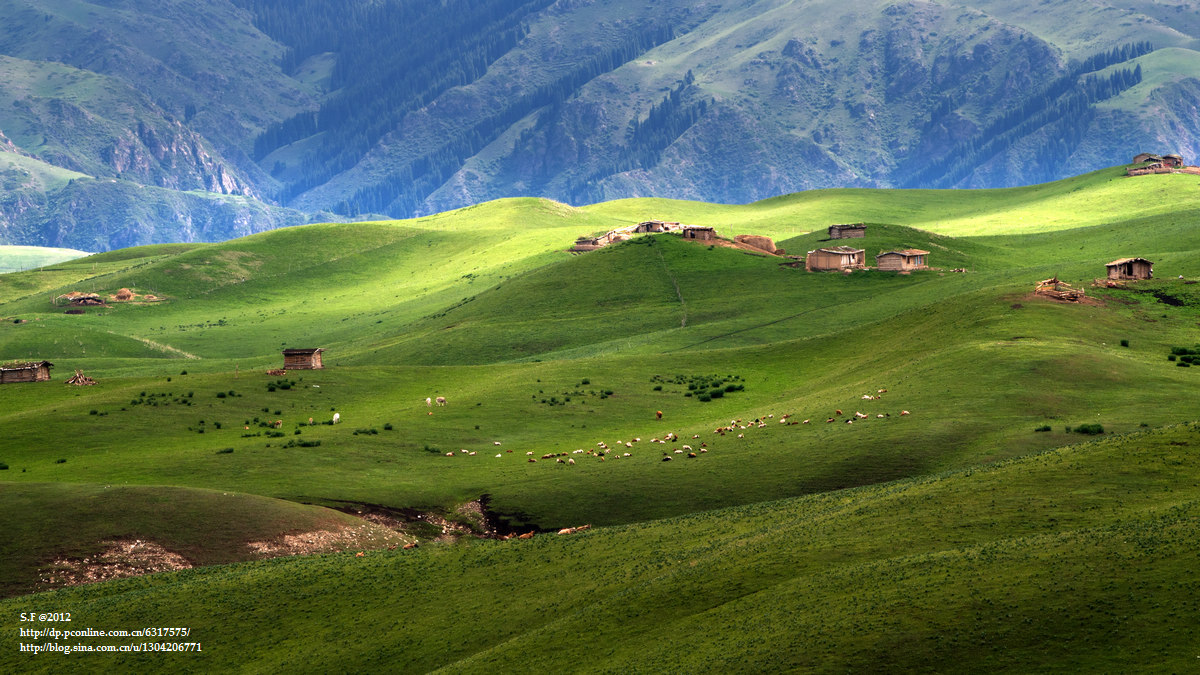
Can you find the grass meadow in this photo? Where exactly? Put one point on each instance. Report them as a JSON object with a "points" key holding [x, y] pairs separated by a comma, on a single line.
{"points": [[982, 529]]}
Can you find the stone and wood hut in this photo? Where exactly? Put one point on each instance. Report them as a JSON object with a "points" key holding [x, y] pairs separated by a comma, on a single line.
{"points": [[302, 359], [1172, 161], [1146, 157], [1130, 269], [856, 231], [699, 233], [38, 371], [836, 258], [651, 226], [902, 261]]}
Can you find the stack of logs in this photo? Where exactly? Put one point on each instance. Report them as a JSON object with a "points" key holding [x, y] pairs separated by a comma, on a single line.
{"points": [[1059, 290], [81, 380]]}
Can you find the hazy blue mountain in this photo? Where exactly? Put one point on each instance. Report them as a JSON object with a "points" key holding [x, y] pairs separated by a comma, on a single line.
{"points": [[403, 107]]}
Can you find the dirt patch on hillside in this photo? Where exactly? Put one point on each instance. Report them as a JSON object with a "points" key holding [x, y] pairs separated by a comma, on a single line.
{"points": [[118, 560], [362, 537]]}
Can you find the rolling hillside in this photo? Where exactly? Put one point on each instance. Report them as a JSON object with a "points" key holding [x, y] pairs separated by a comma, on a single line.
{"points": [[968, 517]]}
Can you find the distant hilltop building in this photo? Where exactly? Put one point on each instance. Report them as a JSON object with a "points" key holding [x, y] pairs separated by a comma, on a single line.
{"points": [[585, 244], [836, 258], [302, 359], [902, 261], [1149, 163], [856, 231], [1130, 269], [699, 233], [36, 371]]}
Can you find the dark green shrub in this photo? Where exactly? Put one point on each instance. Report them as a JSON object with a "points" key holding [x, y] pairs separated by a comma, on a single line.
{"points": [[3, 466], [225, 451], [60, 461], [1124, 343], [1044, 427], [1171, 357], [704, 397], [94, 412], [388, 427], [1184, 364], [585, 381], [716, 393], [1089, 429], [220, 394], [658, 388]]}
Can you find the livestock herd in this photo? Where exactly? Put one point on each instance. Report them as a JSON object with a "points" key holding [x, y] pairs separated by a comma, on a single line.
{"points": [[620, 449]]}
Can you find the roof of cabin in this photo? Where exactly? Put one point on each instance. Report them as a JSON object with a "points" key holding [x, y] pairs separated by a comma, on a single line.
{"points": [[1122, 261], [908, 252], [302, 352], [26, 366]]}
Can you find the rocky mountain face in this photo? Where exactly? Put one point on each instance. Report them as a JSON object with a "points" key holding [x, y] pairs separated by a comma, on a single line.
{"points": [[167, 113]]}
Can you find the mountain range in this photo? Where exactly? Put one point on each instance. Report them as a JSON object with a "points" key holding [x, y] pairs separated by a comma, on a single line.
{"points": [[127, 122]]}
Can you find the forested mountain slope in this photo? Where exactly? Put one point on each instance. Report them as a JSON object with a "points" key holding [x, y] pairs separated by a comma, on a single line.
{"points": [[402, 108]]}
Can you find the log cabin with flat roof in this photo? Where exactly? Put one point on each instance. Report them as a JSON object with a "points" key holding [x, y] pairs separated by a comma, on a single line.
{"points": [[836, 258], [302, 359], [1130, 269], [855, 231], [37, 371], [903, 260], [1146, 157], [1172, 161]]}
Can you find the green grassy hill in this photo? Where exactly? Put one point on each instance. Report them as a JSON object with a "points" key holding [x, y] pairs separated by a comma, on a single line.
{"points": [[859, 537]]}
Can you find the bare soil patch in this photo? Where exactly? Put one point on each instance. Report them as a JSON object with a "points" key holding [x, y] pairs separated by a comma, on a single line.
{"points": [[118, 560]]}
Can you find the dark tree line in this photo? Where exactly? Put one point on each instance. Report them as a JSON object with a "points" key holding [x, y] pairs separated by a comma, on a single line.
{"points": [[402, 192], [646, 139], [1063, 107], [392, 58]]}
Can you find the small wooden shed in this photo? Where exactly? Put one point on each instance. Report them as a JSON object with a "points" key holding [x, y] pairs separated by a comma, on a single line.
{"points": [[1130, 268], [902, 261], [856, 231], [25, 372], [699, 233], [302, 359], [1172, 161], [836, 258]]}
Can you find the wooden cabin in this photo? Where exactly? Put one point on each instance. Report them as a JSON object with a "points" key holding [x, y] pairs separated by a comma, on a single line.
{"points": [[857, 231], [902, 261], [836, 258], [1130, 269], [302, 359], [1172, 161], [25, 372], [1146, 157], [699, 233]]}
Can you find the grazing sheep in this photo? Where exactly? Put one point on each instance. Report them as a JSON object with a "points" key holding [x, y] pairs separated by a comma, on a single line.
{"points": [[498, 456], [337, 417], [449, 454], [527, 535], [529, 453], [570, 461], [278, 424], [441, 400], [428, 402], [667, 458], [532, 460], [905, 412], [837, 412], [495, 442], [805, 422], [658, 414]]}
